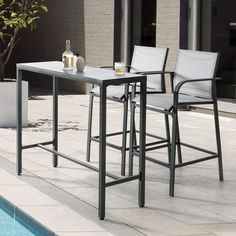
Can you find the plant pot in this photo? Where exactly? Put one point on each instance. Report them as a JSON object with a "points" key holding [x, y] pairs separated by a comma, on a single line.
{"points": [[8, 104]]}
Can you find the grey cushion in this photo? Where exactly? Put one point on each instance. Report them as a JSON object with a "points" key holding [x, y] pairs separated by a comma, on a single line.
{"points": [[118, 92], [150, 88], [165, 101], [114, 92]]}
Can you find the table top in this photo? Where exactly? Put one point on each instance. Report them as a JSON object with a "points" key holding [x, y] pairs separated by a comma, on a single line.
{"points": [[92, 75]]}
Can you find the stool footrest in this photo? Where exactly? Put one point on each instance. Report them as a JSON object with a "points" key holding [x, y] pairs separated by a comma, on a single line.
{"points": [[196, 161], [122, 180], [154, 143], [162, 163], [36, 144], [84, 164], [109, 144], [198, 148], [111, 134], [152, 135], [136, 153]]}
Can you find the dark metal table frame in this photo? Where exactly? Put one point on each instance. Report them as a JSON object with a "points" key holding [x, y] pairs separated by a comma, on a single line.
{"points": [[95, 77]]}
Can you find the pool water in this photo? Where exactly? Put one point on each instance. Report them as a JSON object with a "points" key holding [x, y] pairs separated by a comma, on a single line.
{"points": [[14, 222], [9, 226]]}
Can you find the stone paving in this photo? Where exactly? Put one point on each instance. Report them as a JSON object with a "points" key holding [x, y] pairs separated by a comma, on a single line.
{"points": [[65, 198]]}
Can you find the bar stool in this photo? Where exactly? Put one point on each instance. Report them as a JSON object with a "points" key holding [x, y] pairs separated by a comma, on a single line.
{"points": [[193, 82], [149, 59]]}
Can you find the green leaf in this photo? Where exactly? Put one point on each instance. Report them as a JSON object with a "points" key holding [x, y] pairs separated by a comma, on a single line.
{"points": [[13, 14], [16, 15], [30, 20], [44, 8]]}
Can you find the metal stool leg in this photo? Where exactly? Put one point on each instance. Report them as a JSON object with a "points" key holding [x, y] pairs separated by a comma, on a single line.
{"points": [[90, 120], [178, 143], [124, 137], [131, 139], [218, 141], [19, 124], [134, 129], [55, 120], [168, 136], [173, 153], [102, 153]]}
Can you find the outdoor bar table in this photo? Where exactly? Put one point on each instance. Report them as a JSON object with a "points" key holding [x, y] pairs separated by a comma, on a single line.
{"points": [[102, 78]]}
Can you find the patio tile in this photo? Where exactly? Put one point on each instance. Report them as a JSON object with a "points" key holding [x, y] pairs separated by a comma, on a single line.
{"points": [[185, 211], [154, 223], [127, 190], [61, 218], [7, 179], [26, 195], [90, 195], [88, 177], [43, 158], [220, 229], [225, 210], [84, 234], [32, 166], [60, 180]]}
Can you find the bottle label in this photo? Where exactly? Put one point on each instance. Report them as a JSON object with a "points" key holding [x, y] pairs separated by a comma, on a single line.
{"points": [[72, 62], [66, 62]]}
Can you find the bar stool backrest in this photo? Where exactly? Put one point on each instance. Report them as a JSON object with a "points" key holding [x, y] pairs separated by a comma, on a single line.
{"points": [[196, 65], [150, 59]]}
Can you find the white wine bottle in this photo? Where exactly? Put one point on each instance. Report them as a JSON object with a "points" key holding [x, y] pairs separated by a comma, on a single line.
{"points": [[68, 57]]}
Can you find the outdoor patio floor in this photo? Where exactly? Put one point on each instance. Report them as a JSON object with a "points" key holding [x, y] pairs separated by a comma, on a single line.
{"points": [[65, 198]]}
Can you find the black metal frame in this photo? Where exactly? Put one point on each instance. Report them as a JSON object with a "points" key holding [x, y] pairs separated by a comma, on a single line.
{"points": [[121, 148], [174, 141], [102, 134], [164, 142]]}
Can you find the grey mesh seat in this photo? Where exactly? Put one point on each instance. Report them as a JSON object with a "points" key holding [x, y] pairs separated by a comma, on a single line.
{"points": [[165, 101], [144, 59], [193, 82]]}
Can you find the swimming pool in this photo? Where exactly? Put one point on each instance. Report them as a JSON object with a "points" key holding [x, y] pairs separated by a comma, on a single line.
{"points": [[14, 222]]}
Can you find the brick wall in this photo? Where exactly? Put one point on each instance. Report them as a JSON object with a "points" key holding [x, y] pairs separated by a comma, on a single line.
{"points": [[99, 24], [167, 34]]}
